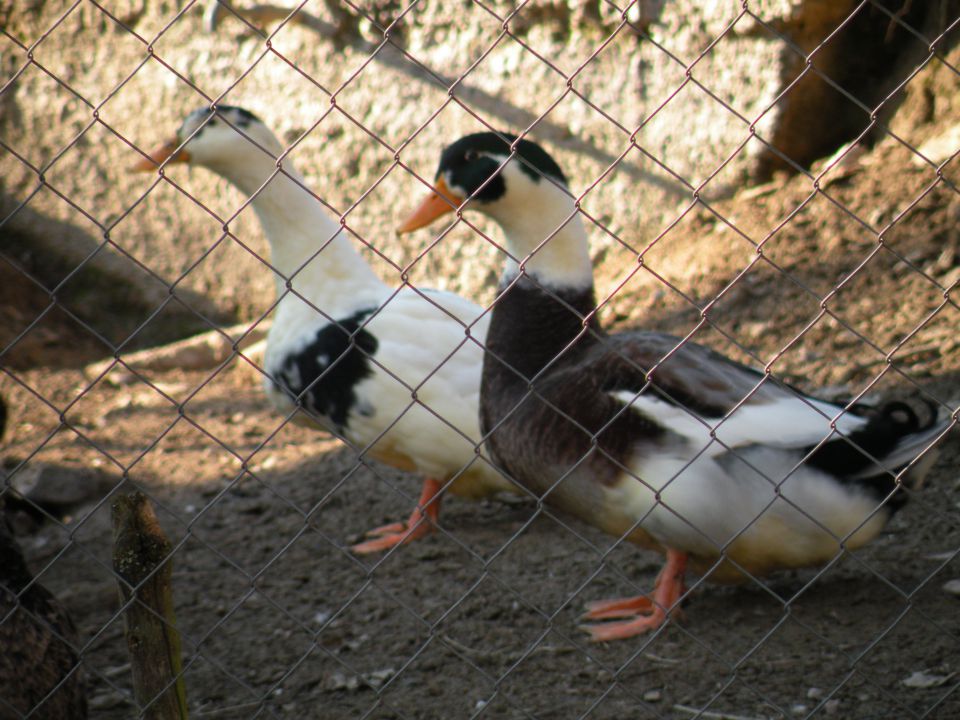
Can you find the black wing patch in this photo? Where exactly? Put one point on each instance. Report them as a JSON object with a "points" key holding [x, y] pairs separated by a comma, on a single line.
{"points": [[692, 376], [323, 375]]}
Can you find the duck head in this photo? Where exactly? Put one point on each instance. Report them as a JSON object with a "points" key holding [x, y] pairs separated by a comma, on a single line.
{"points": [[523, 189], [222, 140], [484, 168]]}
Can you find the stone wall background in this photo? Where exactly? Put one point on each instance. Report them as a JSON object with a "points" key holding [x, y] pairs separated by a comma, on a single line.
{"points": [[95, 85]]}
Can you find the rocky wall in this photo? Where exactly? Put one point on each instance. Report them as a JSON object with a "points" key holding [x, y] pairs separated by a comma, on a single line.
{"points": [[714, 96]]}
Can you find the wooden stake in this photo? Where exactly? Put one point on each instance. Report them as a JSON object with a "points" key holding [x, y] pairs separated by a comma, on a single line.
{"points": [[141, 560]]}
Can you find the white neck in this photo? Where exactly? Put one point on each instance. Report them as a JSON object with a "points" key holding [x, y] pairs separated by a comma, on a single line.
{"points": [[297, 225], [529, 215]]}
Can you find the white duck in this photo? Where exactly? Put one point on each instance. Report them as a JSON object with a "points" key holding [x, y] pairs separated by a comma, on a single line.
{"points": [[649, 437], [394, 372]]}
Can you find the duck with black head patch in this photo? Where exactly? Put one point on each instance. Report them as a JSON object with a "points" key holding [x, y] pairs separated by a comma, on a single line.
{"points": [[650, 437], [396, 373]]}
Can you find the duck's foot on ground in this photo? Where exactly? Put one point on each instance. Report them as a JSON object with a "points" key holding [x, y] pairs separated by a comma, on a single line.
{"points": [[420, 523], [646, 613]]}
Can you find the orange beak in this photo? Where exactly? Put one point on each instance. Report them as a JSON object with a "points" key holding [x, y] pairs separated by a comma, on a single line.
{"points": [[438, 203], [168, 151]]}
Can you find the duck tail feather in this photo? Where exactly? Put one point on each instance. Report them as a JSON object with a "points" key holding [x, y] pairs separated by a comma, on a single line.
{"points": [[891, 439]]}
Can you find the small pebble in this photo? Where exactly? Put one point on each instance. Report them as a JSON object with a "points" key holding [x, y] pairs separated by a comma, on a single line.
{"points": [[814, 693], [798, 709], [339, 681], [831, 706], [652, 695], [378, 677], [952, 586], [924, 680]]}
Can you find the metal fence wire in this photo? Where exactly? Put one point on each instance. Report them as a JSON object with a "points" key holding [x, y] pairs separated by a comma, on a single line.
{"points": [[734, 408]]}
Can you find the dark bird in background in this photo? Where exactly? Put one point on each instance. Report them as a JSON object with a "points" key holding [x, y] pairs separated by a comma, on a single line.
{"points": [[40, 673], [655, 438]]}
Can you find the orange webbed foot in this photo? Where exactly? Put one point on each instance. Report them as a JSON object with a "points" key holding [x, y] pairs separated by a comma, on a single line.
{"points": [[646, 613], [392, 535], [419, 524], [604, 632], [619, 608]]}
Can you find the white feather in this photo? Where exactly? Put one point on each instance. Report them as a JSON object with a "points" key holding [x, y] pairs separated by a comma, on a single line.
{"points": [[789, 422], [743, 484]]}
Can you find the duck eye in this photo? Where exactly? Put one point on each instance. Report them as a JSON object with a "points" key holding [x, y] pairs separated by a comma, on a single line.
{"points": [[471, 155]]}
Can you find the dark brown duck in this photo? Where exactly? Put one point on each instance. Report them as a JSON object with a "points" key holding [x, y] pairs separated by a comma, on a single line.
{"points": [[649, 437]]}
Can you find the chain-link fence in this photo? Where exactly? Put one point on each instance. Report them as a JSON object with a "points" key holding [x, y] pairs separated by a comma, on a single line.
{"points": [[276, 371]]}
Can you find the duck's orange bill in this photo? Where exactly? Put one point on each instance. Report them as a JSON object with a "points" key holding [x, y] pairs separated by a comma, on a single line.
{"points": [[158, 155], [435, 205]]}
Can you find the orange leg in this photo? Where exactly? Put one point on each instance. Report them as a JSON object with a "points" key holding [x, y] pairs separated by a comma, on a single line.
{"points": [[420, 523], [647, 613]]}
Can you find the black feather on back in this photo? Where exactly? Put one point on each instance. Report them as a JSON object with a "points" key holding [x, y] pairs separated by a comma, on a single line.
{"points": [[323, 375]]}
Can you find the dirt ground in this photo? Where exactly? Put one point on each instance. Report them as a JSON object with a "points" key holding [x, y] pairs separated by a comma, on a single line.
{"points": [[279, 619]]}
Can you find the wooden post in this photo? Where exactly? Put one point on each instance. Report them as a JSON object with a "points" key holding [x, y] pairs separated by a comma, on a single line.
{"points": [[140, 559]]}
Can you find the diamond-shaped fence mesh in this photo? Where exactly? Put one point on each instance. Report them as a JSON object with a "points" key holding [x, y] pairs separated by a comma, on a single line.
{"points": [[675, 321]]}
